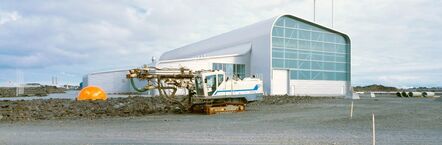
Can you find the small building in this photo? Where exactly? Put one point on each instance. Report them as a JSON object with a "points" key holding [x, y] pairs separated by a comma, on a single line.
{"points": [[292, 55], [112, 82]]}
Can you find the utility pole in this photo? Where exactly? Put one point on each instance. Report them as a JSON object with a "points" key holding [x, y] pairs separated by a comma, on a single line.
{"points": [[314, 10], [333, 8]]}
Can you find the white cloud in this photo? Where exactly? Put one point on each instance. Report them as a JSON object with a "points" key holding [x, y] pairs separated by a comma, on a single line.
{"points": [[391, 40], [8, 16]]}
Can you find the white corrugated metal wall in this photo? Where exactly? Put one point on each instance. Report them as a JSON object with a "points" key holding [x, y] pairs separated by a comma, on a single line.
{"points": [[112, 82]]}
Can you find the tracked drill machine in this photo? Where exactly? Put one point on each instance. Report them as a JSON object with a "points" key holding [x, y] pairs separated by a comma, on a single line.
{"points": [[206, 91]]}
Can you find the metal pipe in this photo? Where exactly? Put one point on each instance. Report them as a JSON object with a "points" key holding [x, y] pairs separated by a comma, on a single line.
{"points": [[428, 94], [135, 87]]}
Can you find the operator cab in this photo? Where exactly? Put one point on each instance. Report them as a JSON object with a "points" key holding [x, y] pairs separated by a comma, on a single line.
{"points": [[207, 82]]}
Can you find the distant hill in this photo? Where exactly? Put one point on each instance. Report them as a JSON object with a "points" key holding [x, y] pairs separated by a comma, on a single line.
{"points": [[374, 87], [426, 89]]}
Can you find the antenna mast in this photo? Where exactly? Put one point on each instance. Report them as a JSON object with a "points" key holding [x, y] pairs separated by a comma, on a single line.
{"points": [[333, 6], [314, 10]]}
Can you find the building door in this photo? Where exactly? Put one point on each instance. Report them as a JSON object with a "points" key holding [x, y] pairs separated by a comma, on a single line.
{"points": [[280, 80]]}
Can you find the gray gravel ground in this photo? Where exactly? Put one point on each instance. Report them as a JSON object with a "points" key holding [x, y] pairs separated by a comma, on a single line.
{"points": [[320, 121]]}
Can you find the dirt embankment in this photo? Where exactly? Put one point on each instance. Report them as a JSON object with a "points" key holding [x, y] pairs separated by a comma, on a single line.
{"points": [[132, 106], [30, 91], [68, 109], [279, 100]]}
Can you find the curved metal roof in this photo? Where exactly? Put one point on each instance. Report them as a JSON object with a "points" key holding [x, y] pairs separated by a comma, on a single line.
{"points": [[229, 40]]}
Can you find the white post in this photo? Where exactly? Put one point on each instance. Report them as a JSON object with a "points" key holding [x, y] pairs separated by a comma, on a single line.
{"points": [[374, 130], [333, 5], [351, 110], [314, 10]]}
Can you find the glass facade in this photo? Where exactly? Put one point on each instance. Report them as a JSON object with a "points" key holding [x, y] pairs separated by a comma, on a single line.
{"points": [[238, 70], [309, 52]]}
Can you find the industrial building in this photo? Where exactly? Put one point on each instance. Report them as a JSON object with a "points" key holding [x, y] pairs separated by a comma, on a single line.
{"points": [[112, 82], [292, 55]]}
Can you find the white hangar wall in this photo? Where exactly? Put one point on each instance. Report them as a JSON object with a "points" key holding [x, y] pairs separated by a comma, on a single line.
{"points": [[260, 60], [112, 82], [317, 88]]}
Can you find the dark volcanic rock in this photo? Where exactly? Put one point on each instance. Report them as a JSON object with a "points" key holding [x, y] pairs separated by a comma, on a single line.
{"points": [[62, 108], [279, 100], [30, 91]]}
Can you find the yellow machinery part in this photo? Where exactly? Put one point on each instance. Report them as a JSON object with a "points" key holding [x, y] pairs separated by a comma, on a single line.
{"points": [[216, 108], [91, 93]]}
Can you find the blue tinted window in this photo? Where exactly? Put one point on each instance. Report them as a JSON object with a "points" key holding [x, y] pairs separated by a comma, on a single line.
{"points": [[278, 31], [304, 56], [341, 66], [329, 37], [294, 75], [278, 42], [290, 23], [329, 76], [317, 46], [317, 36], [304, 75], [304, 64], [231, 69], [340, 76], [329, 58], [303, 34], [291, 43], [340, 58], [340, 40], [317, 75], [309, 52], [305, 26], [317, 56], [291, 33], [280, 22], [304, 44], [278, 63], [278, 53], [329, 66], [291, 64], [291, 54], [340, 48], [328, 47], [317, 65]]}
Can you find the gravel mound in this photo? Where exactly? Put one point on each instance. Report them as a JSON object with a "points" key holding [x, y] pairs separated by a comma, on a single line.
{"points": [[63, 108], [279, 100], [30, 91], [51, 109]]}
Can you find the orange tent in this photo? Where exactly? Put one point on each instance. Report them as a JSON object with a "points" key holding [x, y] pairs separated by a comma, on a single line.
{"points": [[91, 93]]}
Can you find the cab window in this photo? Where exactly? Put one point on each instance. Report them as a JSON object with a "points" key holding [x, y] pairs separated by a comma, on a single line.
{"points": [[199, 86], [211, 84], [220, 79]]}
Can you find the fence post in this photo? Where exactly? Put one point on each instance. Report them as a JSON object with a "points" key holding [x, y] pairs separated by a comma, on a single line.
{"points": [[374, 130], [351, 110]]}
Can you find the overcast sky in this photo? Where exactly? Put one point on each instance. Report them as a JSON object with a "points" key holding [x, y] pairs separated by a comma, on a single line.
{"points": [[394, 42]]}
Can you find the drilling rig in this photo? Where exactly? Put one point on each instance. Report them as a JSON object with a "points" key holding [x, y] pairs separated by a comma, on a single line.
{"points": [[206, 91]]}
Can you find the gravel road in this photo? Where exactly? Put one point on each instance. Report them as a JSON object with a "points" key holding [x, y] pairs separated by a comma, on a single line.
{"points": [[317, 121]]}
